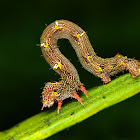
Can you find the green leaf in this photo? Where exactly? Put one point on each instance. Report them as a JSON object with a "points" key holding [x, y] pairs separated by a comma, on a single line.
{"points": [[49, 122]]}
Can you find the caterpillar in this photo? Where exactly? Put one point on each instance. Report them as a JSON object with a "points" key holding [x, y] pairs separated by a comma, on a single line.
{"points": [[70, 81]]}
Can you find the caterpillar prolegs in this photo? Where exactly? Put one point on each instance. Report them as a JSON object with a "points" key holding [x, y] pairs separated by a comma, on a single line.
{"points": [[70, 81]]}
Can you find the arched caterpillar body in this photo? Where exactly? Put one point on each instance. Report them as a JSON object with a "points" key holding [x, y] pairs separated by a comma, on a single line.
{"points": [[103, 68]]}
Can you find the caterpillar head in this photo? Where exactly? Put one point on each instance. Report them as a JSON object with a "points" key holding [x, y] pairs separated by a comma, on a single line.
{"points": [[49, 94]]}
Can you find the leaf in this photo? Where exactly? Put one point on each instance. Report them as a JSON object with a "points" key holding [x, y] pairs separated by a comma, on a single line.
{"points": [[49, 122]]}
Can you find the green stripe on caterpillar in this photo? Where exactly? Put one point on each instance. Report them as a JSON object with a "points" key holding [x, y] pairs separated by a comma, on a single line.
{"points": [[70, 83]]}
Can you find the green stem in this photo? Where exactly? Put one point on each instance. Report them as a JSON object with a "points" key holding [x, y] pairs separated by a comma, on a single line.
{"points": [[49, 122]]}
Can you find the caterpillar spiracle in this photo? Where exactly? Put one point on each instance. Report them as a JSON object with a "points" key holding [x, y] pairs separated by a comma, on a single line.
{"points": [[70, 81]]}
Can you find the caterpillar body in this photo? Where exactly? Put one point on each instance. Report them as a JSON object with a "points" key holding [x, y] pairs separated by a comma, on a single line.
{"points": [[70, 81]]}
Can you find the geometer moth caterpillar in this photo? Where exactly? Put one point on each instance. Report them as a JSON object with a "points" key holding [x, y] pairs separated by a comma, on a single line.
{"points": [[70, 81]]}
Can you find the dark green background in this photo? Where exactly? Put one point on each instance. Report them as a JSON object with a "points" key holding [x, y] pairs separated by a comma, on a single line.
{"points": [[112, 26]]}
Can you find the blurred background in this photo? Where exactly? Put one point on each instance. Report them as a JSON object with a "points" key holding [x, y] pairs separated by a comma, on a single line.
{"points": [[113, 26]]}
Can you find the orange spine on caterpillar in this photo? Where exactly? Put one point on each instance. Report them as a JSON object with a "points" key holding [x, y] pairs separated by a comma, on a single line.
{"points": [[70, 83]]}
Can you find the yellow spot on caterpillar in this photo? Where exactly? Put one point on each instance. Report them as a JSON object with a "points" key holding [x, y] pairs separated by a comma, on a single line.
{"points": [[53, 84], [84, 32], [78, 35], [56, 66], [56, 27], [46, 45], [68, 78], [100, 69], [88, 57], [55, 94], [122, 62], [62, 78], [119, 55], [59, 65], [111, 67]]}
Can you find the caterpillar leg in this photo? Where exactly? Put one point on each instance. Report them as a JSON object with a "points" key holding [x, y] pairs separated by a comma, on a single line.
{"points": [[76, 96], [59, 105], [83, 89], [105, 78]]}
